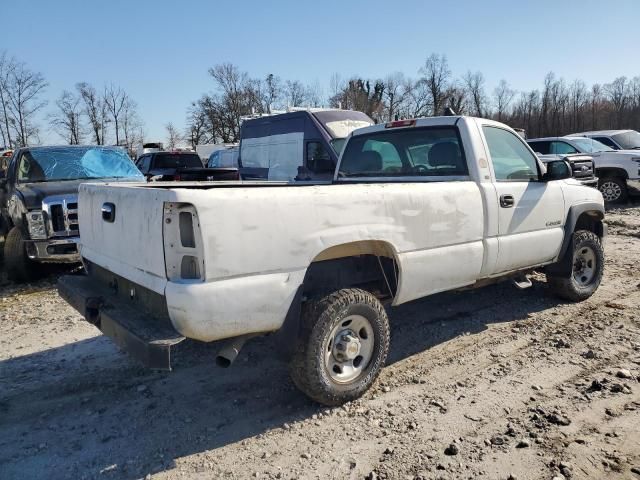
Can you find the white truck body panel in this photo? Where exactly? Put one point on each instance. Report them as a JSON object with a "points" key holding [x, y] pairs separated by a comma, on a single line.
{"points": [[258, 241]]}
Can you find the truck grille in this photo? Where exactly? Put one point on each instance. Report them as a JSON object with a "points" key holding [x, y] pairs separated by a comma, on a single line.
{"points": [[62, 215], [583, 169]]}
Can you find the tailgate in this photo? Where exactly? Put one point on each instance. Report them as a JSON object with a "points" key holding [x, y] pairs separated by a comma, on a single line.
{"points": [[130, 244]]}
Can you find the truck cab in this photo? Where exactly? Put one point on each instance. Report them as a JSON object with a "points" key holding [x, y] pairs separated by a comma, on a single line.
{"points": [[301, 145]]}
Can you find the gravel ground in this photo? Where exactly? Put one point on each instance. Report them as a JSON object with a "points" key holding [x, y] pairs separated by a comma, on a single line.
{"points": [[495, 383]]}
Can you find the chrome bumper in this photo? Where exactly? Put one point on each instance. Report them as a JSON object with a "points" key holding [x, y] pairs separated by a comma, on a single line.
{"points": [[60, 250]]}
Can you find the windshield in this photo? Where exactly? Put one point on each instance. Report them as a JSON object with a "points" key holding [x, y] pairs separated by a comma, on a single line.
{"points": [[340, 123], [628, 140], [338, 144], [588, 145], [75, 163], [177, 160]]}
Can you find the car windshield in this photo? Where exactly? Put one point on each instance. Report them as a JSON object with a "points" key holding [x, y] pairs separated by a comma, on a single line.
{"points": [[340, 123], [628, 140], [177, 160], [75, 163], [589, 145]]}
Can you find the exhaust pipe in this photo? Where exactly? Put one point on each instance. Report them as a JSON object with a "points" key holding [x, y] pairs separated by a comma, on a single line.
{"points": [[227, 355]]}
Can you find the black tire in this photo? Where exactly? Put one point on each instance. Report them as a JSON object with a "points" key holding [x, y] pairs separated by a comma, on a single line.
{"points": [[613, 189], [19, 267], [572, 286], [319, 318]]}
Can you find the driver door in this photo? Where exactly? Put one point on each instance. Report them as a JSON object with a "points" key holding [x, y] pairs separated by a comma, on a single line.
{"points": [[530, 211]]}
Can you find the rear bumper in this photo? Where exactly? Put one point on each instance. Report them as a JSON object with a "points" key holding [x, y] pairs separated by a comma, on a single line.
{"points": [[61, 250], [147, 338]]}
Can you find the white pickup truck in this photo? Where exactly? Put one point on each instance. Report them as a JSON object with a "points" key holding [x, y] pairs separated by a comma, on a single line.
{"points": [[415, 207]]}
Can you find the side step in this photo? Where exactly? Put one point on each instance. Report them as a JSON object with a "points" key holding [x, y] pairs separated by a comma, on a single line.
{"points": [[522, 281]]}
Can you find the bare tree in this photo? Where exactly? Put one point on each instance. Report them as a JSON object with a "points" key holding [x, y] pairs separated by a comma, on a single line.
{"points": [[395, 93], [174, 138], [66, 119], [23, 91], [131, 124], [314, 94], [503, 96], [95, 110], [115, 100], [618, 95], [273, 91], [474, 83], [436, 75], [196, 125], [6, 67], [295, 93]]}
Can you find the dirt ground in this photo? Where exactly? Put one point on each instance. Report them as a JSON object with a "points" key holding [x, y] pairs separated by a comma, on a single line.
{"points": [[495, 383]]}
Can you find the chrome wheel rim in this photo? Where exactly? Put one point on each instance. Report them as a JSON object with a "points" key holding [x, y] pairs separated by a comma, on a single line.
{"points": [[349, 349], [584, 266], [611, 191]]}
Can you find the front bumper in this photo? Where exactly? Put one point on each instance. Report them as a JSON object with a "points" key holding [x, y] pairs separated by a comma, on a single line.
{"points": [[59, 250], [145, 336]]}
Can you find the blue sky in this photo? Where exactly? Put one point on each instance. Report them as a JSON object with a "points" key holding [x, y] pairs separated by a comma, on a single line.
{"points": [[159, 51]]}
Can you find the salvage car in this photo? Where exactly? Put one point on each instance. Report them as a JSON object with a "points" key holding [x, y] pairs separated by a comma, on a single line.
{"points": [[180, 166], [618, 171], [415, 207], [39, 202]]}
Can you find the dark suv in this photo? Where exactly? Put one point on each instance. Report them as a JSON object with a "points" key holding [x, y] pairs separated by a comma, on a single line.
{"points": [[180, 166]]}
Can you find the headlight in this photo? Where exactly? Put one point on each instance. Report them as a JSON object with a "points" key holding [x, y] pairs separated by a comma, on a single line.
{"points": [[37, 228]]}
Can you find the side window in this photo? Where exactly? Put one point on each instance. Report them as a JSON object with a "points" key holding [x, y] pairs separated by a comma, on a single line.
{"points": [[146, 164], [318, 159], [512, 160], [608, 142], [562, 148], [542, 148]]}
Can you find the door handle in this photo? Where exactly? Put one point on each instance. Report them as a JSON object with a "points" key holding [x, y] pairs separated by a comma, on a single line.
{"points": [[506, 201]]}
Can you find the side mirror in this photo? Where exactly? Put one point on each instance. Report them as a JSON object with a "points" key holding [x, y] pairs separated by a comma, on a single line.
{"points": [[557, 170]]}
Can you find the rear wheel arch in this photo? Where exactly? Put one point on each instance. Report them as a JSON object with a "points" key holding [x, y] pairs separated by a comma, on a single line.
{"points": [[612, 172], [370, 265]]}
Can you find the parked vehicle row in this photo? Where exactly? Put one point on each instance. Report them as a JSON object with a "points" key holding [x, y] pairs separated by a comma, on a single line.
{"points": [[412, 208], [618, 171]]}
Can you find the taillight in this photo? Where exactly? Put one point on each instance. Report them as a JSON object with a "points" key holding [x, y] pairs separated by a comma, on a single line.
{"points": [[400, 123], [177, 178], [183, 249]]}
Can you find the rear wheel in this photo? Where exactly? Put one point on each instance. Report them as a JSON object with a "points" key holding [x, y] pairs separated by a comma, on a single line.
{"points": [[613, 189], [587, 266], [342, 347]]}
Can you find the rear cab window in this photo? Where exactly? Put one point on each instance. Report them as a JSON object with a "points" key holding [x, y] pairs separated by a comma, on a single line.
{"points": [[175, 160], [407, 153]]}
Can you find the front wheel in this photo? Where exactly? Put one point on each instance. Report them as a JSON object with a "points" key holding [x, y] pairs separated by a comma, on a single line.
{"points": [[613, 189], [342, 347], [19, 267], [587, 267]]}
